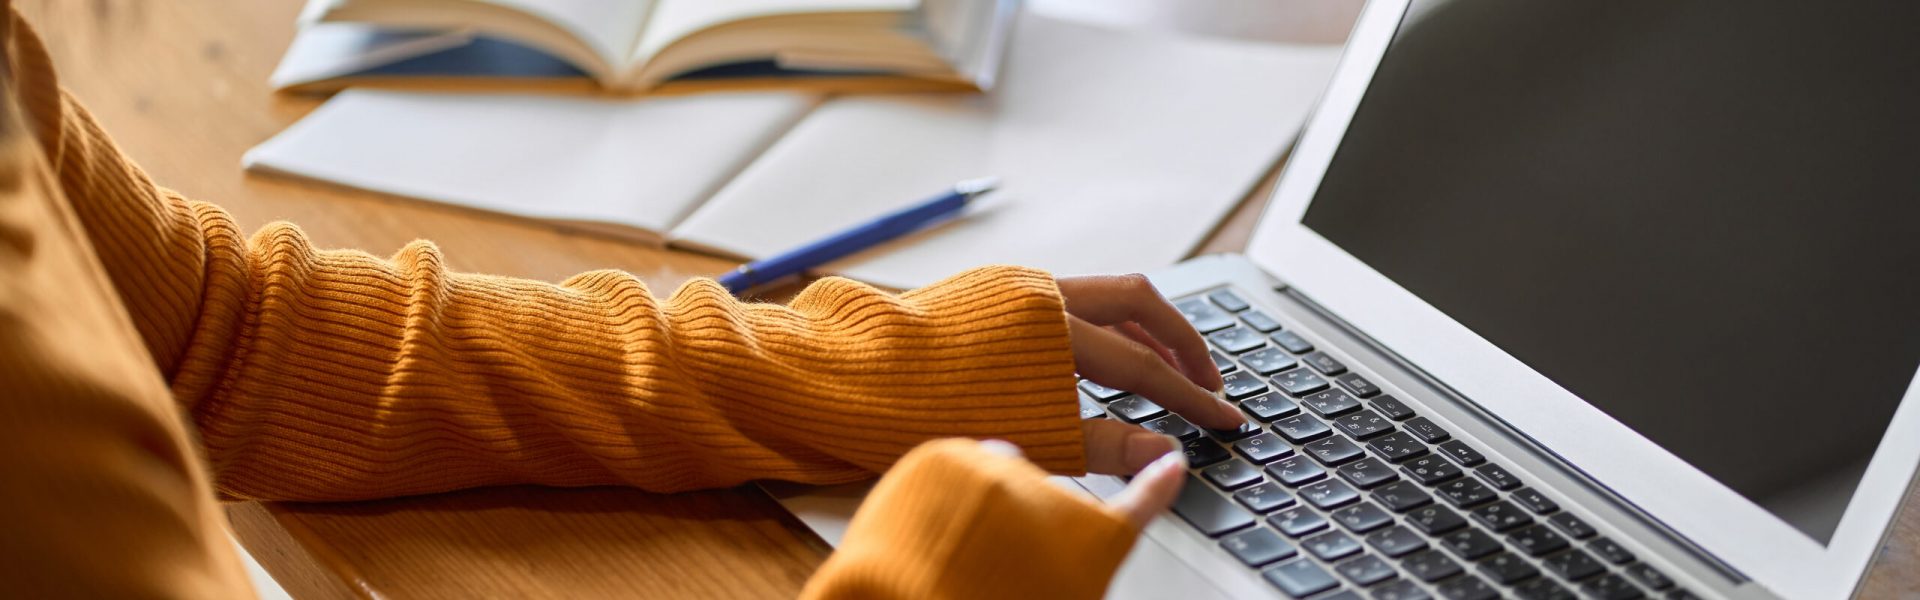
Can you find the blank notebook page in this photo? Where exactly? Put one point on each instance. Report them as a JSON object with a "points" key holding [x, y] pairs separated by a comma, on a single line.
{"points": [[1119, 151]]}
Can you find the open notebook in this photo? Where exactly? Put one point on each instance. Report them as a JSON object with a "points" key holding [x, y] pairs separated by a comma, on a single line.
{"points": [[1119, 151], [647, 44]]}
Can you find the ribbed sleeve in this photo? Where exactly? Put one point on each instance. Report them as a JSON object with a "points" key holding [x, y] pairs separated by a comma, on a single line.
{"points": [[955, 521], [330, 375]]}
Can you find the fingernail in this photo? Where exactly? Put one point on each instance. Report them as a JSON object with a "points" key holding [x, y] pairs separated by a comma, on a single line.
{"points": [[1170, 460], [1143, 448]]}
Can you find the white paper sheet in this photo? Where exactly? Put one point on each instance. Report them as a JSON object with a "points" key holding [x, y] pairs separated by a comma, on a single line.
{"points": [[1118, 152], [643, 164]]}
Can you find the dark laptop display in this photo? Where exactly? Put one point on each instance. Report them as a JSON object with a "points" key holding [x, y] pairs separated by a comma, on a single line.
{"points": [[1702, 218]]}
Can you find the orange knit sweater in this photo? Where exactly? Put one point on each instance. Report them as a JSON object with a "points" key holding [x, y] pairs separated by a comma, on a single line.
{"points": [[154, 358]]}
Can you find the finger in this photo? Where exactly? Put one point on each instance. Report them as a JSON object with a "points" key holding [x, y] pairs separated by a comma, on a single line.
{"points": [[1112, 360], [1115, 448], [1153, 491], [1001, 447], [1114, 299], [1134, 332]]}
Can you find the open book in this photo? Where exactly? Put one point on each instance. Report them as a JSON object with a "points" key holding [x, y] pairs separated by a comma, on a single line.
{"points": [[644, 45]]}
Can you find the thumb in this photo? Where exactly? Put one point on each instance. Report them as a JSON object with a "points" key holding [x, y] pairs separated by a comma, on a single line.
{"points": [[1152, 491]]}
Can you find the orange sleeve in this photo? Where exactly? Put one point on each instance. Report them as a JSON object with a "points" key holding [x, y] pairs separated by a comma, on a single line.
{"points": [[333, 375], [955, 521]]}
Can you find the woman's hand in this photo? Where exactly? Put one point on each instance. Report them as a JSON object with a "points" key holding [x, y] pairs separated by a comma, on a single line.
{"points": [[1127, 336]]}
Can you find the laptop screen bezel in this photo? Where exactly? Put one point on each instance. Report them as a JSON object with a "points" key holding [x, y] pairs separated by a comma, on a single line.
{"points": [[1711, 515]]}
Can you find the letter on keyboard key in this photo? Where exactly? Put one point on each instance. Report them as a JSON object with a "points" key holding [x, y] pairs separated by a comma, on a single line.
{"points": [[1300, 578], [1648, 576], [1537, 540], [1263, 448], [1363, 425], [1470, 544], [1267, 407], [1544, 589], [1203, 452], [1392, 407], [1301, 428], [1435, 520], [1089, 410], [1134, 409], [1465, 493], [1264, 498], [1358, 385], [1397, 541], [1296, 470], [1400, 589], [1611, 551], [1365, 570], [1498, 477], [1173, 425], [1326, 365], [1328, 494], [1362, 517], [1204, 316], [1401, 496], [1299, 382], [1257, 547], [1467, 588], [1267, 361], [1430, 469], [1610, 587], [1209, 512], [1430, 565], [1572, 526], [1242, 385], [1506, 569], [1331, 403], [1331, 546], [1333, 451], [1426, 430], [1292, 342], [1461, 453], [1100, 392], [1236, 339], [1501, 516], [1367, 473], [1234, 474], [1573, 566], [1535, 501], [1228, 300], [1260, 321], [1396, 447], [1297, 521]]}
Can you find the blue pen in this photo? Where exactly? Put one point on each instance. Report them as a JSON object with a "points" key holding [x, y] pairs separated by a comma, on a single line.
{"points": [[867, 235]]}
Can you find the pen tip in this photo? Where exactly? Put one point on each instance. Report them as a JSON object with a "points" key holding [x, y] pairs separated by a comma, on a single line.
{"points": [[975, 187]]}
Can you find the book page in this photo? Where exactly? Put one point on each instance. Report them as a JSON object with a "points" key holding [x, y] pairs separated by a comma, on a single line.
{"points": [[675, 19], [610, 27], [1118, 152]]}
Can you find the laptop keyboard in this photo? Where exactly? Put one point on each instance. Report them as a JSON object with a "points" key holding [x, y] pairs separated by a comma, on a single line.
{"points": [[1339, 490]]}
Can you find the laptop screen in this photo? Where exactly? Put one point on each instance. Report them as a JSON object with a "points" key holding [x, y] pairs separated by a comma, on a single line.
{"points": [[1701, 218]]}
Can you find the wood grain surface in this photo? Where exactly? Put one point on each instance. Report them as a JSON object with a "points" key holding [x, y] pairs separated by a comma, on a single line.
{"points": [[182, 85]]}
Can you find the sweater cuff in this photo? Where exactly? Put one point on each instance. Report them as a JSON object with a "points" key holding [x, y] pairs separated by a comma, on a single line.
{"points": [[953, 520], [982, 354]]}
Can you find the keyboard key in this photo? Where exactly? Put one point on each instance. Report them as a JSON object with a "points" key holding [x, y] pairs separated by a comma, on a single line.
{"points": [[1430, 565], [1291, 341], [1203, 452], [1396, 447], [1100, 392], [1209, 512], [1299, 382], [1331, 403], [1498, 477], [1366, 570], [1470, 543], [1466, 588], [1430, 469], [1267, 361], [1537, 540], [1463, 454], [1235, 474], [1257, 547], [1264, 498], [1362, 517], [1364, 424], [1542, 589], [1134, 409], [1573, 566], [1401, 589], [1426, 430], [1300, 578], [1535, 501], [1245, 430], [1681, 594], [1173, 425], [1392, 408], [1333, 451], [1328, 494], [1610, 587], [1648, 576], [1367, 473], [1267, 407], [1296, 470], [1435, 520], [1465, 493], [1263, 448], [1358, 385], [1243, 385], [1301, 429], [1221, 362], [1204, 317], [1401, 496], [1501, 516], [1507, 569], [1610, 551], [1572, 526], [1331, 546], [1297, 521], [1089, 410], [1259, 321], [1228, 300], [1326, 365], [1236, 339], [1397, 541]]}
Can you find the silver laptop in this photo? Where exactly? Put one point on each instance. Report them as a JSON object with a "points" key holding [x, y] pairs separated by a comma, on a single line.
{"points": [[1560, 299]]}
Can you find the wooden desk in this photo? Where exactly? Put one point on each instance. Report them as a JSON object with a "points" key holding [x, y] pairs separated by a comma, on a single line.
{"points": [[181, 84]]}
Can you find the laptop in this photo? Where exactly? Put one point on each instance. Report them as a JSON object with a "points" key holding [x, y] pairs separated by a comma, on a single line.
{"points": [[1554, 300]]}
